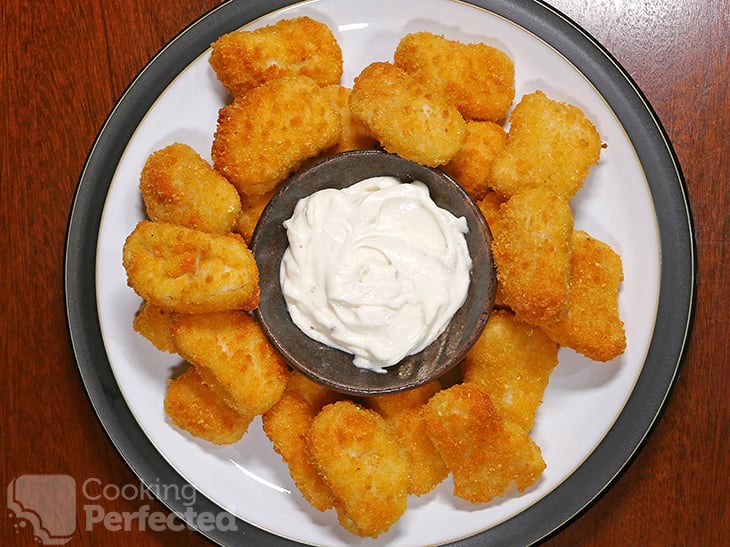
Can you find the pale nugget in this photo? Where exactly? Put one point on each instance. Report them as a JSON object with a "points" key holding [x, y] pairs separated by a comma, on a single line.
{"points": [[233, 357], [531, 249], [265, 134], [551, 144], [243, 60], [404, 118], [479, 79], [188, 271], [179, 187], [359, 458], [512, 361], [592, 324], [485, 453], [155, 324], [194, 407], [251, 209]]}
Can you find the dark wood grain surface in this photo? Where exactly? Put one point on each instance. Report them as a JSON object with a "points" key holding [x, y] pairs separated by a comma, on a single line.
{"points": [[63, 66]]}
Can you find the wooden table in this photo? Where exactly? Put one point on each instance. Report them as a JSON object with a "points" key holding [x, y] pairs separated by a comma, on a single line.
{"points": [[65, 63]]}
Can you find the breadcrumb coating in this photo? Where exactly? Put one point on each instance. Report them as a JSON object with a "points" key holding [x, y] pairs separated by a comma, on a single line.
{"points": [[155, 324]]}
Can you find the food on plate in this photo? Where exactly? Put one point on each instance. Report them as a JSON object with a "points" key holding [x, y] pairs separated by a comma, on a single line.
{"points": [[402, 413], [355, 135], [479, 79], [489, 206], [267, 133], [359, 458], [194, 407], [155, 324], [243, 60], [486, 452], [251, 208], [404, 117], [472, 164], [512, 361], [592, 324], [551, 144], [531, 250], [188, 271], [233, 357], [180, 187], [313, 393]]}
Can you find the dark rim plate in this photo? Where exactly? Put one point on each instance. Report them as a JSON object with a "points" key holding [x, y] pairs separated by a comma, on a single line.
{"points": [[675, 309]]}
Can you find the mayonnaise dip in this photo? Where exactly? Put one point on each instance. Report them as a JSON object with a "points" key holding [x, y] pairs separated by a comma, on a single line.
{"points": [[376, 269]]}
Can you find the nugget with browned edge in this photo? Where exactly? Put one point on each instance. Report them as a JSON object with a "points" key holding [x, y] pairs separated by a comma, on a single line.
{"points": [[359, 458], [179, 187], [479, 79], [243, 60], [512, 361], [531, 249], [592, 324], [485, 452], [188, 271], [251, 209], [194, 407], [313, 393], [354, 135], [551, 144], [234, 358], [405, 119], [155, 324], [265, 134]]}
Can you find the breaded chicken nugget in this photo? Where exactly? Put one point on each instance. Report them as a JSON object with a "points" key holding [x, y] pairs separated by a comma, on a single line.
{"points": [[531, 249], [512, 361], [302, 46], [155, 324], [265, 135], [313, 393], [179, 187], [402, 412], [287, 425], [489, 206], [194, 407], [551, 144], [359, 458], [188, 271], [354, 135], [592, 325], [472, 164], [233, 357], [477, 78], [485, 453], [251, 209], [404, 118]]}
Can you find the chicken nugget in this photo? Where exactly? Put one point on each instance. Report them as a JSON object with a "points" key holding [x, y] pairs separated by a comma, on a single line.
{"points": [[243, 60], [396, 403], [404, 118], [531, 249], [477, 78], [592, 324], [265, 135], [233, 357], [551, 144], [179, 187], [512, 361], [355, 135], [287, 425], [251, 209], [485, 452], [472, 164], [359, 458], [313, 393], [194, 407], [155, 324], [188, 271], [489, 206]]}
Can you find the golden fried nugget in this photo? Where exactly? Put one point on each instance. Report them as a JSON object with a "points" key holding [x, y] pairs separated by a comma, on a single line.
{"points": [[155, 324], [179, 187], [355, 135], [592, 325], [287, 425], [551, 144], [472, 164], [404, 118], [234, 357], [251, 209], [243, 60], [265, 135], [477, 78], [489, 206], [313, 393], [485, 452], [396, 403], [359, 458], [188, 271], [512, 361], [531, 250], [194, 407]]}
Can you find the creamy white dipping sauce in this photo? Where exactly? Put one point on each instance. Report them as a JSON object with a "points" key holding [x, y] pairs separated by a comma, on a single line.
{"points": [[376, 269]]}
